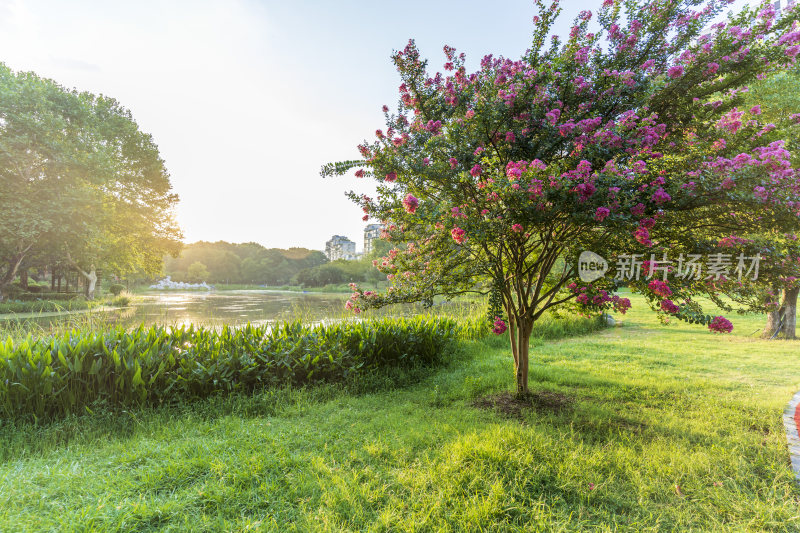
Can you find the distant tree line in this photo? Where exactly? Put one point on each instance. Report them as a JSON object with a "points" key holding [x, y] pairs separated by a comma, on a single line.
{"points": [[252, 263]]}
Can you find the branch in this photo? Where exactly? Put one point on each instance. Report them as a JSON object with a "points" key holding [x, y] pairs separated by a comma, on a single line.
{"points": [[78, 268]]}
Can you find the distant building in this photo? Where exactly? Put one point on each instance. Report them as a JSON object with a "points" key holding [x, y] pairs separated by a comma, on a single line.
{"points": [[340, 247], [371, 232]]}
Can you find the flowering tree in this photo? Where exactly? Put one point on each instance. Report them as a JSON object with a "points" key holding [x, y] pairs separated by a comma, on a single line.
{"points": [[777, 96], [623, 138]]}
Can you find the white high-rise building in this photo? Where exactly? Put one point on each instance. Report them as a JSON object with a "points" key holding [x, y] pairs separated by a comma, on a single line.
{"points": [[371, 233], [340, 247]]}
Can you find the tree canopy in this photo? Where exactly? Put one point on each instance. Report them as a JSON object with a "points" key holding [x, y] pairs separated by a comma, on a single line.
{"points": [[80, 182], [625, 138]]}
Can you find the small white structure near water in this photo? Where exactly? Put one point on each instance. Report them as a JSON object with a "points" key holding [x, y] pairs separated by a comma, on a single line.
{"points": [[168, 284]]}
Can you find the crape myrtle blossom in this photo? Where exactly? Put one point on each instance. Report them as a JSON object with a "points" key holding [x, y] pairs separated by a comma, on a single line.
{"points": [[499, 326], [720, 324], [659, 288], [669, 307], [410, 203], [607, 140]]}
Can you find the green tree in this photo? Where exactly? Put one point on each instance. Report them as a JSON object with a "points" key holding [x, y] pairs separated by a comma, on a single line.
{"points": [[321, 275], [245, 263], [197, 272], [80, 181]]}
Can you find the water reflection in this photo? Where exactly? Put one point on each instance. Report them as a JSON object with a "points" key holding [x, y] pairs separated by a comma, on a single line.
{"points": [[227, 307], [217, 308]]}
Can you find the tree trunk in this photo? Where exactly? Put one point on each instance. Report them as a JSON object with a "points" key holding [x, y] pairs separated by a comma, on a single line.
{"points": [[52, 278], [790, 313], [11, 271], [782, 324], [522, 368], [23, 278], [90, 277], [91, 281], [773, 317], [773, 323], [512, 334], [520, 343]]}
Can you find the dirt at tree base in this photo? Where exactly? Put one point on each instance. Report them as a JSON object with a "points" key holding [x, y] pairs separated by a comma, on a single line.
{"points": [[512, 406]]}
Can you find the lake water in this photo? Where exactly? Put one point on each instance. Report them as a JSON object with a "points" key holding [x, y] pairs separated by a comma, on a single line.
{"points": [[206, 308], [217, 308], [228, 307]]}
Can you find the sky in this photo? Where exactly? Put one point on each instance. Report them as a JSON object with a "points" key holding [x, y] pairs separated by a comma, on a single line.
{"points": [[247, 99]]}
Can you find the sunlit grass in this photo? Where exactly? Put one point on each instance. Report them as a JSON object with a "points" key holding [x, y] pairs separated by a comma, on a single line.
{"points": [[661, 428]]}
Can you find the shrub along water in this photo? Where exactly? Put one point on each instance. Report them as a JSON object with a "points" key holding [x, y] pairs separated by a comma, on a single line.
{"points": [[50, 377]]}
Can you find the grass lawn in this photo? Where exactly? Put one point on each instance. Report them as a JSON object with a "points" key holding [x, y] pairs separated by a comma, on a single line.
{"points": [[640, 428]]}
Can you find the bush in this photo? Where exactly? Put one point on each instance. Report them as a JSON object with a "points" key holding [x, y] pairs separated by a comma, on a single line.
{"points": [[13, 291], [37, 289], [49, 296], [116, 289], [121, 300], [67, 374]]}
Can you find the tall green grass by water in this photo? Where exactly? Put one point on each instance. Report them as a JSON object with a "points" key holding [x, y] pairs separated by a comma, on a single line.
{"points": [[81, 370]]}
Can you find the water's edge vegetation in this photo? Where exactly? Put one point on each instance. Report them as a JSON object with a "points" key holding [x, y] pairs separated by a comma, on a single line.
{"points": [[681, 434], [82, 371]]}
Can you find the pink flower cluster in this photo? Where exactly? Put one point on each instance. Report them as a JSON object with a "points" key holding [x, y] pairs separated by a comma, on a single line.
{"points": [[352, 302], [499, 326], [668, 306], [732, 240], [660, 197], [410, 203], [458, 235], [434, 126], [731, 121], [720, 324], [642, 236], [659, 288], [589, 296], [638, 209], [675, 71]]}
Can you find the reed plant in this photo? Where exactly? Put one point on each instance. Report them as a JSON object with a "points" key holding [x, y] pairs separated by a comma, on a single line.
{"points": [[78, 370]]}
